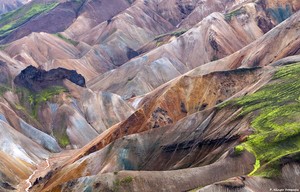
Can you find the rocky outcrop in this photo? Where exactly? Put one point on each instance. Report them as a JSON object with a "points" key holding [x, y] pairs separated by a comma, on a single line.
{"points": [[36, 79]]}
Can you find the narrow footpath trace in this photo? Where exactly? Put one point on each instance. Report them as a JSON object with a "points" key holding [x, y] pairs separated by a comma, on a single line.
{"points": [[28, 181], [43, 168]]}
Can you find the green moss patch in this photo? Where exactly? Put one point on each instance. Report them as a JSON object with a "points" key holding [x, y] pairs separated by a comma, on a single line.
{"points": [[276, 119], [63, 140], [12, 20], [30, 103], [239, 150], [123, 182], [59, 130], [4, 89], [36, 99], [70, 41], [174, 33]]}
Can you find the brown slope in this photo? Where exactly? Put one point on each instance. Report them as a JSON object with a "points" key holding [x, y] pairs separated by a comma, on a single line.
{"points": [[72, 118], [204, 9], [42, 50], [175, 11], [211, 39], [196, 140], [127, 32], [13, 66], [52, 21], [288, 180], [13, 171], [19, 156], [10, 5], [28, 132], [158, 112], [229, 8], [204, 126], [177, 180], [277, 33], [144, 21], [63, 16], [161, 109], [89, 17], [173, 59], [118, 42]]}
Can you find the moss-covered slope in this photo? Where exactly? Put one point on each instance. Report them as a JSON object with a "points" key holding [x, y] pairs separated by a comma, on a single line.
{"points": [[275, 111], [14, 19]]}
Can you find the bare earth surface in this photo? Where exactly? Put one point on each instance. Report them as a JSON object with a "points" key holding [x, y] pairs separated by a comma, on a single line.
{"points": [[44, 167]]}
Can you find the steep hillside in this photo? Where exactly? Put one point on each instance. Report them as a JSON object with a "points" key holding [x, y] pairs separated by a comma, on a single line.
{"points": [[205, 140], [11, 21], [51, 16], [10, 5], [99, 41], [179, 99], [164, 63]]}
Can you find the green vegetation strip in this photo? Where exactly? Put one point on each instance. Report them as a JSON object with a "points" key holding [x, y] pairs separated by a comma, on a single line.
{"points": [[276, 111], [4, 89], [32, 101], [63, 140], [36, 99], [70, 41], [123, 182], [228, 16], [175, 33], [12, 20]]}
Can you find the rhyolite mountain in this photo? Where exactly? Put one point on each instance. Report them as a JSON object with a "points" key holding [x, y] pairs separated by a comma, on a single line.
{"points": [[10, 5], [140, 95]]}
